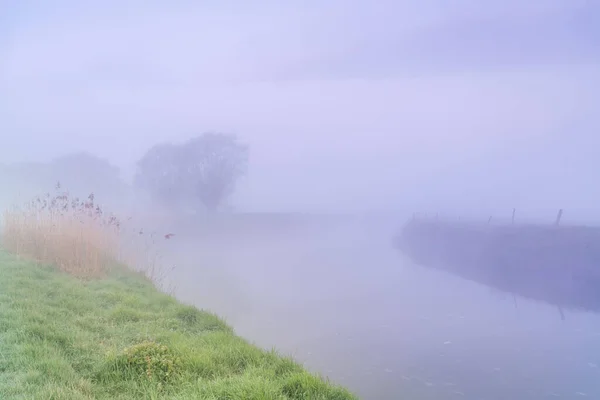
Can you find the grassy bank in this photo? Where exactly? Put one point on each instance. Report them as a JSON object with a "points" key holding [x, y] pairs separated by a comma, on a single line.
{"points": [[77, 324], [119, 338]]}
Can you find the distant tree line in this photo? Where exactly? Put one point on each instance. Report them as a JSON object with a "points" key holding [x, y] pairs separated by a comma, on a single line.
{"points": [[80, 173], [199, 174]]}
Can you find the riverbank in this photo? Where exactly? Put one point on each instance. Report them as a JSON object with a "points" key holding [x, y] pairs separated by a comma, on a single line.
{"points": [[559, 265], [118, 337]]}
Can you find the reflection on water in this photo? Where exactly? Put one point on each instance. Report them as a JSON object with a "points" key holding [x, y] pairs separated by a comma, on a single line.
{"points": [[352, 308]]}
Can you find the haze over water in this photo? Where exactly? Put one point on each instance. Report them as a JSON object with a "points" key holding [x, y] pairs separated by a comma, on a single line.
{"points": [[351, 307]]}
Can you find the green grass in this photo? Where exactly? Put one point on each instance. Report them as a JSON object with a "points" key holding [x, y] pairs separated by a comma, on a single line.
{"points": [[120, 338]]}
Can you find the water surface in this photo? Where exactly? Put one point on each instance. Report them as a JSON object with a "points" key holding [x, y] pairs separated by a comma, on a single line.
{"points": [[348, 305]]}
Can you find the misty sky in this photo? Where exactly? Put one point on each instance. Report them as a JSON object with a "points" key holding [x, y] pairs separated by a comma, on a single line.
{"points": [[430, 104]]}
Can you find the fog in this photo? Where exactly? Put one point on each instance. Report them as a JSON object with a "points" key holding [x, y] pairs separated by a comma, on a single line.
{"points": [[356, 115]]}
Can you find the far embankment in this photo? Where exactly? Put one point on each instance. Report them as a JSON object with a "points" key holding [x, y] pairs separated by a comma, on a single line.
{"points": [[556, 264]]}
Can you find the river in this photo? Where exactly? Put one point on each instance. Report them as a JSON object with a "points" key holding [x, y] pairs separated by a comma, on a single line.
{"points": [[345, 303]]}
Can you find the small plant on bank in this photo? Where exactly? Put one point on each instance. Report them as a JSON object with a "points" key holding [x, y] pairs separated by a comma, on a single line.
{"points": [[153, 361]]}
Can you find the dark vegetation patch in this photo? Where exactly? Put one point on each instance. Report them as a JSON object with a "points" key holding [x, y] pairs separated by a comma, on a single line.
{"points": [[559, 265]]}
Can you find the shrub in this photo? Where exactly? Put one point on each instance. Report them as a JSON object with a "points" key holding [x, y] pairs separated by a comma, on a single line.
{"points": [[153, 361]]}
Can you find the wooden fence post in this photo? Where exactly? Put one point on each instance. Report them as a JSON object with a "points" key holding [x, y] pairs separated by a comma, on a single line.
{"points": [[558, 217]]}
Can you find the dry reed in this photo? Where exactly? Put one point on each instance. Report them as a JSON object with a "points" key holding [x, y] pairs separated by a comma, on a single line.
{"points": [[70, 233]]}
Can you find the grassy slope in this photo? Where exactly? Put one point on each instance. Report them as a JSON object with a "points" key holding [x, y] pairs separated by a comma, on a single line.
{"points": [[61, 338]]}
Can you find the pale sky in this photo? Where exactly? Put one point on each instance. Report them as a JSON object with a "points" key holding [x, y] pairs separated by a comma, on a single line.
{"points": [[434, 105]]}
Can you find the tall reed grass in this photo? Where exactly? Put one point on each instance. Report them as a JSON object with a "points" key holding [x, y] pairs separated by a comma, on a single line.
{"points": [[78, 237], [71, 233]]}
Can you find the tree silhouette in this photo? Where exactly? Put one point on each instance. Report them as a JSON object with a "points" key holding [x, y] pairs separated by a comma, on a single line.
{"points": [[204, 169]]}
